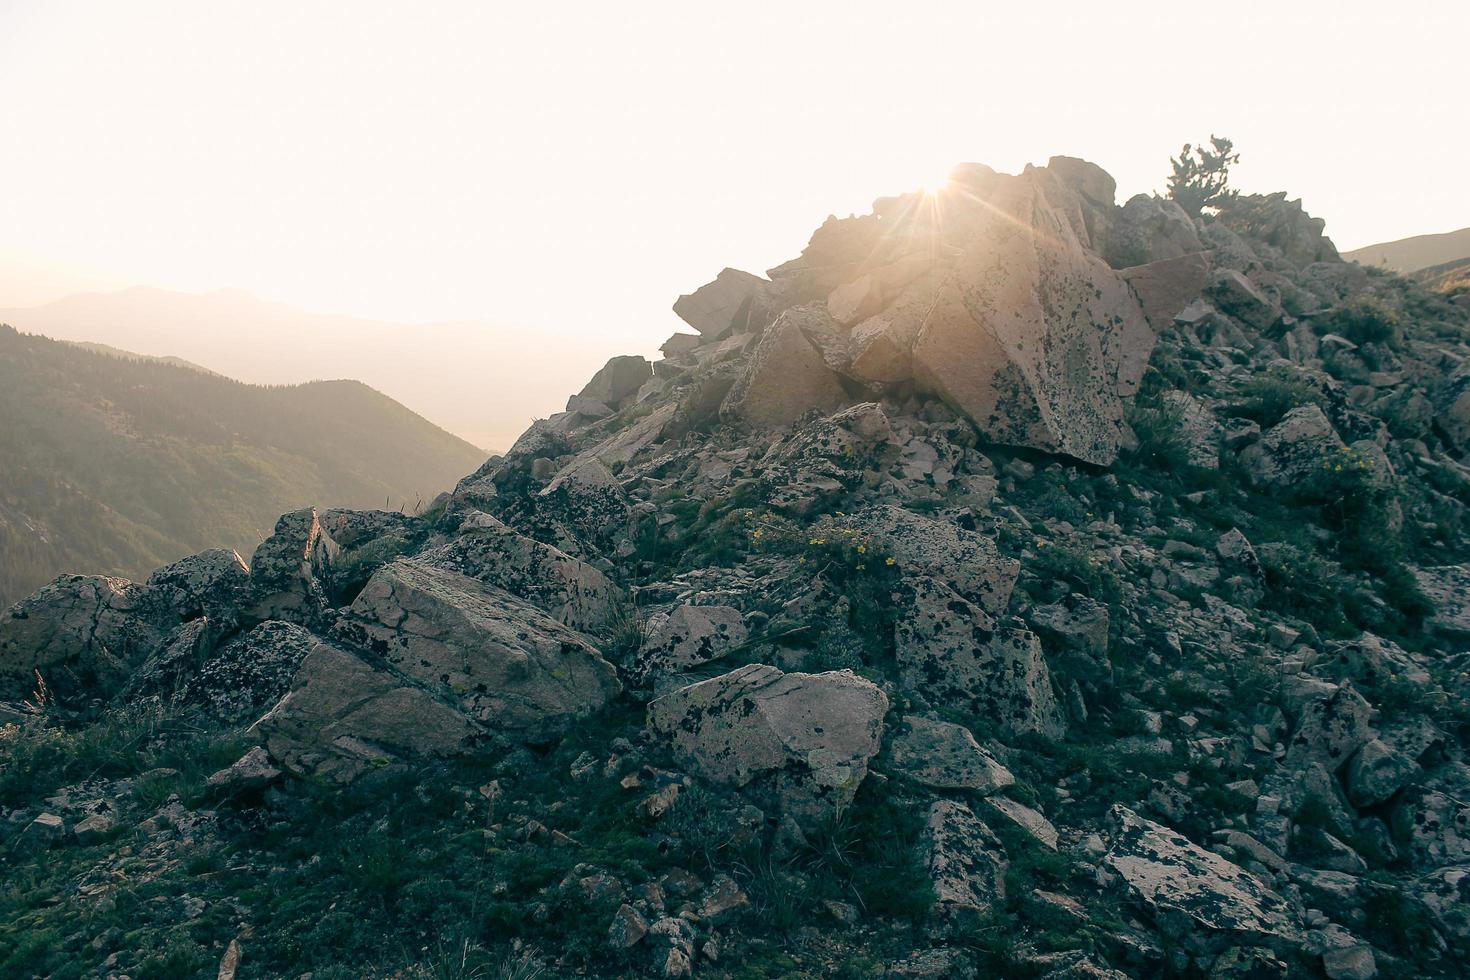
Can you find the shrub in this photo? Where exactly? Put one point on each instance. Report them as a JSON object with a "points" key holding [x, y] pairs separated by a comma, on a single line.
{"points": [[1363, 321]]}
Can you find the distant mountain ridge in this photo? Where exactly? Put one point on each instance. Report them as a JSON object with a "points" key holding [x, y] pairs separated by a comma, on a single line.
{"points": [[115, 464], [1413, 254], [484, 382]]}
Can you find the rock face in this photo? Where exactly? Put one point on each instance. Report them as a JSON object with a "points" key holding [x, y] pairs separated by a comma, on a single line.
{"points": [[813, 732], [1196, 896], [506, 664]]}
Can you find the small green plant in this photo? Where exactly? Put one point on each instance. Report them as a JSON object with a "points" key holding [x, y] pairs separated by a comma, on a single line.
{"points": [[1363, 321], [1201, 177]]}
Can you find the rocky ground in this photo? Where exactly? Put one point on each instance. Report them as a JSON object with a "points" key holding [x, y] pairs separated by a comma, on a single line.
{"points": [[1014, 584]]}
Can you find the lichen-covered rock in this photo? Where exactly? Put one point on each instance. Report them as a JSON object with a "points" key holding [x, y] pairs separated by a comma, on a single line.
{"points": [[1075, 634], [814, 733], [1027, 334], [570, 590], [343, 718], [1197, 427], [787, 376], [967, 864], [588, 501], [1196, 896], [1330, 730], [952, 652], [968, 562], [945, 756], [83, 633], [1293, 448], [1448, 588], [686, 637], [287, 569], [505, 663], [1446, 894], [1376, 773], [213, 583], [1436, 827], [242, 678]]}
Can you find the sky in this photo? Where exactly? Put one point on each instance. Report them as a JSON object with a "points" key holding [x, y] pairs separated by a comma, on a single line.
{"points": [[570, 169]]}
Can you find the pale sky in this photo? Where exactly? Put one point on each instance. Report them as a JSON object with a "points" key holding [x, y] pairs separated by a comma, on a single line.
{"points": [[572, 168]]}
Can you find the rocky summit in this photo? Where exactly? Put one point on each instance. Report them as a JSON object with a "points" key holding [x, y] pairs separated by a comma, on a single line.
{"points": [[1015, 583]]}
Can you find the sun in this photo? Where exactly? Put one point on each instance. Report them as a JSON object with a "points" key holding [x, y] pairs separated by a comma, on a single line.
{"points": [[936, 183]]}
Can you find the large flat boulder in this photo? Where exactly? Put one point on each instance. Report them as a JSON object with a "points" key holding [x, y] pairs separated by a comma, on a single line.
{"points": [[502, 661], [967, 864], [1028, 332], [810, 735], [1197, 897], [943, 755]]}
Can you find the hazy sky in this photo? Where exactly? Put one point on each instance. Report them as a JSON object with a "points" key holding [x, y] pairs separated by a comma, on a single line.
{"points": [[574, 167]]}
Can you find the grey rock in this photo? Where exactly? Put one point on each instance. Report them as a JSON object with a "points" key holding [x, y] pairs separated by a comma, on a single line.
{"points": [[814, 733], [945, 756]]}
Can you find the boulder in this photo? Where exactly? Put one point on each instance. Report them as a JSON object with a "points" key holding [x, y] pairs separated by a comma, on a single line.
{"points": [[343, 718], [1028, 332], [1448, 588], [252, 771], [1236, 295], [503, 662], [619, 377], [719, 307], [1166, 287], [1293, 448], [242, 678], [687, 637], [812, 734], [213, 583], [1330, 730], [1031, 821], [571, 591], [680, 344], [1376, 773], [952, 652], [1148, 229], [786, 377], [942, 755], [1075, 632], [287, 568], [1197, 897], [1435, 826], [967, 864], [588, 501], [968, 562], [83, 634]]}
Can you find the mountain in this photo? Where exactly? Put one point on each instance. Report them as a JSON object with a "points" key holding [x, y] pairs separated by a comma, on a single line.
{"points": [[1412, 254], [481, 381], [116, 464], [1013, 584]]}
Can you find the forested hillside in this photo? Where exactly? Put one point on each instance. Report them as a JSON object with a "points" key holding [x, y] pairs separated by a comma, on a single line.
{"points": [[114, 465]]}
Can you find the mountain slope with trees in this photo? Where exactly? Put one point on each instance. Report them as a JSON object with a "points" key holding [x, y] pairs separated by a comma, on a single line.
{"points": [[114, 465]]}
